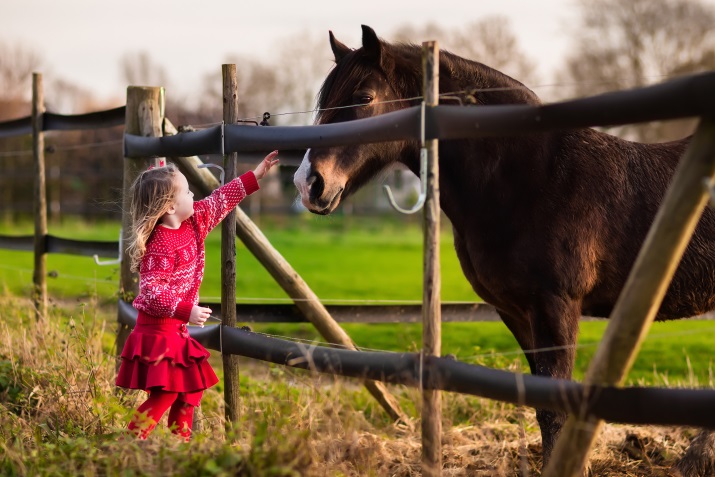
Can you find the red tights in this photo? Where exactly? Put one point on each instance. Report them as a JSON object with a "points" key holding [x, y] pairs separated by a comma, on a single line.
{"points": [[149, 414]]}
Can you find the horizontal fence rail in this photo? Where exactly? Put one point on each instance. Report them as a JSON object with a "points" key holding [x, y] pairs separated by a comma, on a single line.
{"points": [[53, 244], [96, 120], [633, 405], [194, 143], [65, 122], [688, 96], [285, 313], [18, 242], [16, 127]]}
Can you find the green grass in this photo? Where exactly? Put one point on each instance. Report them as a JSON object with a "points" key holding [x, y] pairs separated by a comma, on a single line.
{"points": [[70, 276], [340, 259], [675, 353], [343, 260], [61, 414]]}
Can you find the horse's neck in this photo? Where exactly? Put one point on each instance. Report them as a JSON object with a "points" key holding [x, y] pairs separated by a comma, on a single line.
{"points": [[482, 176], [480, 83], [475, 170], [458, 78]]}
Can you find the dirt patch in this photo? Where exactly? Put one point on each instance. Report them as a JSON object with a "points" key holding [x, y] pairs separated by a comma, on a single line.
{"points": [[503, 449]]}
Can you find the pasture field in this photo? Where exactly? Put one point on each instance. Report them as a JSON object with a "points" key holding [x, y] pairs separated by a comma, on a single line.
{"points": [[353, 259], [342, 260], [61, 415]]}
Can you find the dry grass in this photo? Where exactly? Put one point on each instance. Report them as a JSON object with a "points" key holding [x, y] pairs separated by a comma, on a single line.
{"points": [[60, 414]]}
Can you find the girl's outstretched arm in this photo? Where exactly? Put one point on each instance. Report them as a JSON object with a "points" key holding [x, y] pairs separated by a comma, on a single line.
{"points": [[212, 210]]}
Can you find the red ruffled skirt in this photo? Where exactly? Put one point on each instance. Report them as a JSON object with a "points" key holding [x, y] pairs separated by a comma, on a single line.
{"points": [[160, 354]]}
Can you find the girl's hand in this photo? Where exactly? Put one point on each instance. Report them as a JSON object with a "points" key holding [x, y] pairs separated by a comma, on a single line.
{"points": [[265, 165], [199, 315]]}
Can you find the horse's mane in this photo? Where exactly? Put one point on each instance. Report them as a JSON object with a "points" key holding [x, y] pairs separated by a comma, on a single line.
{"points": [[402, 65]]}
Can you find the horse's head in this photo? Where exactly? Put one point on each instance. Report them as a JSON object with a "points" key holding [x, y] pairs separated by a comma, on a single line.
{"points": [[362, 84]]}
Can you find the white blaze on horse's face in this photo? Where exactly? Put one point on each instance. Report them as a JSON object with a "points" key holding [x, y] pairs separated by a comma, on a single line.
{"points": [[320, 187], [300, 179]]}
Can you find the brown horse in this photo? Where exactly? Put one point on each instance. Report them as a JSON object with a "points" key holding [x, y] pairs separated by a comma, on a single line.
{"points": [[546, 225]]}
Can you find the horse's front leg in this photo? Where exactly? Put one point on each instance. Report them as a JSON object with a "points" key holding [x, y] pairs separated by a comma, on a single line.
{"points": [[554, 328]]}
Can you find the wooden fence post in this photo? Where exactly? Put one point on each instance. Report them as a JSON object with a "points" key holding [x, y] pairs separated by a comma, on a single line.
{"points": [[642, 294], [144, 117], [431, 305], [228, 255], [39, 276]]}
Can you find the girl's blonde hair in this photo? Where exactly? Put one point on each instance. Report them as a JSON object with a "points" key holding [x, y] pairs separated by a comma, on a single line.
{"points": [[152, 196]]}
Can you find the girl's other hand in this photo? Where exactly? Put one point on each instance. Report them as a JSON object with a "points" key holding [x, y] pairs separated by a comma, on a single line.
{"points": [[199, 315], [265, 165]]}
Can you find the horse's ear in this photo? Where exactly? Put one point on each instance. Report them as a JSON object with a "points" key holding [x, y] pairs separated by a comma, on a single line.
{"points": [[339, 50], [371, 44]]}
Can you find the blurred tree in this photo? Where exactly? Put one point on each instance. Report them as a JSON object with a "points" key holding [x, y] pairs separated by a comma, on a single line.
{"points": [[139, 69], [305, 60], [258, 89], [17, 63], [284, 86], [64, 97], [286, 83], [620, 45], [490, 41]]}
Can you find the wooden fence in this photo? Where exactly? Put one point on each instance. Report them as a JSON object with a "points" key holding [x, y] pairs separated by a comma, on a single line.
{"points": [[689, 96], [653, 270]]}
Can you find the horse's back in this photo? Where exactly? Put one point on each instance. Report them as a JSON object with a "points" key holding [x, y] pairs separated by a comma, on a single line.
{"points": [[638, 178]]}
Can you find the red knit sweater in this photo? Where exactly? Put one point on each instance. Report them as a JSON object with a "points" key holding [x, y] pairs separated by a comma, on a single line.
{"points": [[172, 268]]}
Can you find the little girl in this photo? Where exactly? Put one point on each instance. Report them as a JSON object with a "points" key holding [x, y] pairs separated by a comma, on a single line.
{"points": [[167, 249]]}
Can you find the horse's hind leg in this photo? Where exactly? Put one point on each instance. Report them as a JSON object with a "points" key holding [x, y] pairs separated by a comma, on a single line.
{"points": [[699, 459], [554, 327]]}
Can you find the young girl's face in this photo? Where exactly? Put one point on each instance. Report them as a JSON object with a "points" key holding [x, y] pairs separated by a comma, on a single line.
{"points": [[183, 198]]}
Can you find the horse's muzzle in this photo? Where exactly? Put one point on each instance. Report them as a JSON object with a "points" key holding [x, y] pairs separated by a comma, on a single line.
{"points": [[321, 201], [317, 195]]}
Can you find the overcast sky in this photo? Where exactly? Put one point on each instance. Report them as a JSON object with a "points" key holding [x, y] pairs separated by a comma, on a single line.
{"points": [[82, 41]]}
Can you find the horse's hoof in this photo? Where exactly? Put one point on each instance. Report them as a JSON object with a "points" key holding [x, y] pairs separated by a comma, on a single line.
{"points": [[699, 459]]}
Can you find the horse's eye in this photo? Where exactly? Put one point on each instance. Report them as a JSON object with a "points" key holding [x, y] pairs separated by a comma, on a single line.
{"points": [[363, 98]]}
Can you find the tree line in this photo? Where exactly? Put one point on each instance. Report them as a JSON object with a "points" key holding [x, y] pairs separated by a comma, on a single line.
{"points": [[614, 45]]}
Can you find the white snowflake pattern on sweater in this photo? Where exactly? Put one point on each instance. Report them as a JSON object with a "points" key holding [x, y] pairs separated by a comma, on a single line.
{"points": [[172, 268]]}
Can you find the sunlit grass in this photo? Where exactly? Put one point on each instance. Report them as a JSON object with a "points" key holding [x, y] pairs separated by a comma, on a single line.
{"points": [[674, 352], [61, 415], [354, 259], [341, 259]]}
